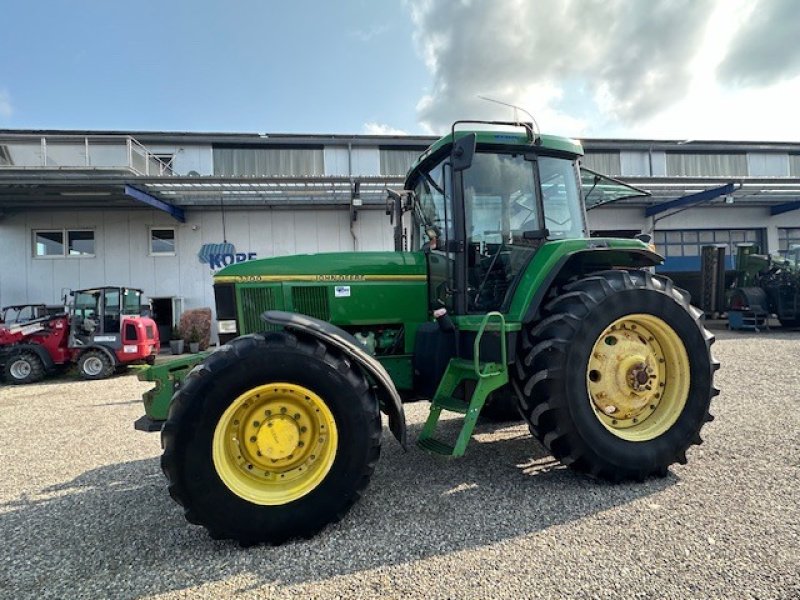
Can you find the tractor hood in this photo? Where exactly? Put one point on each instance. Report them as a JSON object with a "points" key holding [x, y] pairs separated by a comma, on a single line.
{"points": [[331, 267]]}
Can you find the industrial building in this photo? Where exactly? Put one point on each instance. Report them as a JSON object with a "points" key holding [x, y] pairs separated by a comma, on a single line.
{"points": [[162, 211]]}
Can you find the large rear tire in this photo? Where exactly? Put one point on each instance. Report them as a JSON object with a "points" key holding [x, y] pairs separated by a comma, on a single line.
{"points": [[271, 437], [24, 367], [616, 377]]}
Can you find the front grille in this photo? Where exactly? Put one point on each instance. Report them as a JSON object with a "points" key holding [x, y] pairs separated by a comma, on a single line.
{"points": [[255, 300], [311, 301]]}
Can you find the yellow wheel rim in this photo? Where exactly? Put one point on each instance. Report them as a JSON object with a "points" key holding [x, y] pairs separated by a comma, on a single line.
{"points": [[638, 377], [275, 443]]}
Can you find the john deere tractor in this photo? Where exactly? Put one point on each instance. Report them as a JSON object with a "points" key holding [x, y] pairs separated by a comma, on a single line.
{"points": [[494, 292]]}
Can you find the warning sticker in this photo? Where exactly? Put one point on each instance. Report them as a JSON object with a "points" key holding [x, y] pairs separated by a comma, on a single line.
{"points": [[342, 291]]}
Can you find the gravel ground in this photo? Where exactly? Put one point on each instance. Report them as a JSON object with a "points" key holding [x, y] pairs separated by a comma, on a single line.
{"points": [[84, 511]]}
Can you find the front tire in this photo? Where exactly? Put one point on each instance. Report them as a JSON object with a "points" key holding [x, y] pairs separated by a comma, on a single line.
{"points": [[95, 364], [271, 437], [616, 378], [24, 367]]}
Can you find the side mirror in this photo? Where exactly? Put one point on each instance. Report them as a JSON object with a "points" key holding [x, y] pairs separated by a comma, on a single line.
{"points": [[463, 151]]}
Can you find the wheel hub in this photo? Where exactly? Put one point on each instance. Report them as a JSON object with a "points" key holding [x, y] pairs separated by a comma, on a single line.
{"points": [[278, 437], [20, 369]]}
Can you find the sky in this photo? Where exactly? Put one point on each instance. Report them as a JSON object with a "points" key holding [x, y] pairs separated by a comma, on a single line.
{"points": [[671, 69]]}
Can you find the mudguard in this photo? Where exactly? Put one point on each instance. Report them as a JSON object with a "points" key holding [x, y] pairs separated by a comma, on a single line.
{"points": [[103, 349], [37, 349], [343, 341]]}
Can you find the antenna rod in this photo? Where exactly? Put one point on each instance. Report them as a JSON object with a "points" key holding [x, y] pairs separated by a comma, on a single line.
{"points": [[516, 108]]}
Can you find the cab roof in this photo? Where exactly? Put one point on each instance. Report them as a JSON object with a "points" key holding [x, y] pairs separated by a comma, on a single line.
{"points": [[504, 138]]}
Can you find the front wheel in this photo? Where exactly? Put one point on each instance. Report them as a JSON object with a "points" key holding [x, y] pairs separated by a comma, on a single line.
{"points": [[271, 437], [95, 364], [617, 377]]}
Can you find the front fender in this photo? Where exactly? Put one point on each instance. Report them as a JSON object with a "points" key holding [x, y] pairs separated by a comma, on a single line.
{"points": [[343, 341]]}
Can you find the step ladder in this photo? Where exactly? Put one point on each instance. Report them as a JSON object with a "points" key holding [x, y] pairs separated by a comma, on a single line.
{"points": [[488, 376]]}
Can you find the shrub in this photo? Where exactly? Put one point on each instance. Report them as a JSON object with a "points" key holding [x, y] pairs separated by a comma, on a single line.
{"points": [[195, 326]]}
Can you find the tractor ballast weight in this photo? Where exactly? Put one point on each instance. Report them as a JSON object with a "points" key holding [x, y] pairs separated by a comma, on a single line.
{"points": [[494, 297]]}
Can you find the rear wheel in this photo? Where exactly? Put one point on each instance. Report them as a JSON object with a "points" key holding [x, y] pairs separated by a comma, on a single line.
{"points": [[617, 376], [271, 437], [24, 367], [95, 364]]}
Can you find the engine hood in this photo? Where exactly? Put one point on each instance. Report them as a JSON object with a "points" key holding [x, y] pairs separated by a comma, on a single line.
{"points": [[333, 266]]}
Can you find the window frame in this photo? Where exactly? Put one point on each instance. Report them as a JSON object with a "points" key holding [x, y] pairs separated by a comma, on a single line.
{"points": [[174, 231], [64, 231]]}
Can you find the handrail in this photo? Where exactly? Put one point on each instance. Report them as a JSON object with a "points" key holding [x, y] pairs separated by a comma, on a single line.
{"points": [[476, 348]]}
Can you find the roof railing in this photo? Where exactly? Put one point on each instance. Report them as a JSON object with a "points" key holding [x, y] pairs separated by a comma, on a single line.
{"points": [[95, 152]]}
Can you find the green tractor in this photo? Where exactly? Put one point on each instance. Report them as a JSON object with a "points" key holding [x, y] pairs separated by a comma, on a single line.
{"points": [[494, 296]]}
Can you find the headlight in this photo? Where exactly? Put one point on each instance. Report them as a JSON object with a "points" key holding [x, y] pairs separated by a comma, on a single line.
{"points": [[226, 326]]}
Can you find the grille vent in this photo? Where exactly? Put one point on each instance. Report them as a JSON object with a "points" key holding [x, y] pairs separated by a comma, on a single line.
{"points": [[311, 301]]}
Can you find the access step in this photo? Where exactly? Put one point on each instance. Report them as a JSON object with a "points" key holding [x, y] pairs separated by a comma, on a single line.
{"points": [[436, 446]]}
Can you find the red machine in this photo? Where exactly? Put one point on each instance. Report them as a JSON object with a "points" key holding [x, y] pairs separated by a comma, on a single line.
{"points": [[103, 332]]}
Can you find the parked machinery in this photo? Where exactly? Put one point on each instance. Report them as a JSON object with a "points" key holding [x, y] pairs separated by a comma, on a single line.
{"points": [[102, 332], [493, 285], [767, 284]]}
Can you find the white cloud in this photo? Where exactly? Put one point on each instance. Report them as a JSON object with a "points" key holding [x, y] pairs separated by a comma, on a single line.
{"points": [[6, 109], [373, 128], [660, 68]]}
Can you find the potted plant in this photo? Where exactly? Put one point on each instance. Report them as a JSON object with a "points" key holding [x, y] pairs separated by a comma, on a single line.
{"points": [[194, 341], [175, 341]]}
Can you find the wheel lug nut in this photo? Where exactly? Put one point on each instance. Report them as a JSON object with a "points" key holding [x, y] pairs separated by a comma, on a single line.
{"points": [[256, 423], [283, 410], [253, 438], [300, 444], [296, 416], [303, 429]]}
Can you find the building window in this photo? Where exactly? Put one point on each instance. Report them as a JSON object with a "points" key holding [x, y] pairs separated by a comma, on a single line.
{"points": [[686, 245], [268, 162], [788, 237], [696, 164], [607, 163], [162, 241], [50, 243], [80, 243], [397, 162]]}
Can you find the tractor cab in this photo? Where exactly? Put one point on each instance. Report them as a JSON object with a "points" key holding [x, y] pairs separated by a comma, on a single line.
{"points": [[482, 203]]}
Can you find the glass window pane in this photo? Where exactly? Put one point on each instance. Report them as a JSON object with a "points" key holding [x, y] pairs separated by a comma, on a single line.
{"points": [[674, 237], [659, 237], [706, 237], [81, 243], [690, 237], [49, 243], [751, 235], [691, 250], [722, 236], [162, 241], [737, 236]]}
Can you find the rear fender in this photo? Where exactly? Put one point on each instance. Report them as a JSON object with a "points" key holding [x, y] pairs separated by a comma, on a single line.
{"points": [[344, 342], [581, 262], [112, 357], [37, 349]]}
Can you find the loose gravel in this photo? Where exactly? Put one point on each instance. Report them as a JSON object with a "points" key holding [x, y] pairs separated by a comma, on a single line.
{"points": [[84, 510]]}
